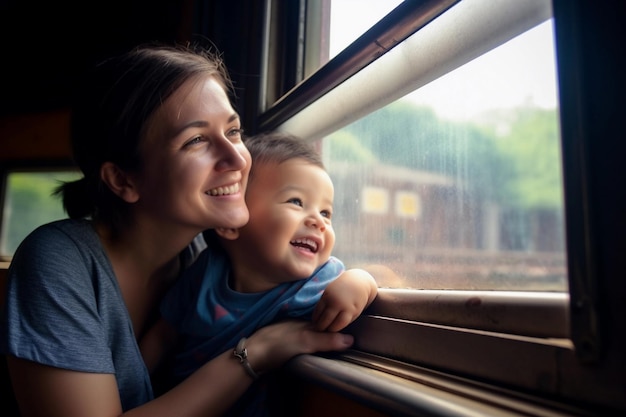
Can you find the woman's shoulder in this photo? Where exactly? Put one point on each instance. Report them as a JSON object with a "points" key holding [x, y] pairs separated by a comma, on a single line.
{"points": [[61, 231], [67, 226], [63, 259], [61, 239]]}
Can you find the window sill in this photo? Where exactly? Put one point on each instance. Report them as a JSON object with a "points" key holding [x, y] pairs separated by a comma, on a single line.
{"points": [[398, 389]]}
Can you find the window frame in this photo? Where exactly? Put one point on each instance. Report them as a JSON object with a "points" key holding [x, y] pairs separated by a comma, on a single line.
{"points": [[552, 364], [402, 22]]}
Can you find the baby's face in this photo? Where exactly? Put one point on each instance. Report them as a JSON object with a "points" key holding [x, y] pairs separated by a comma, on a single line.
{"points": [[290, 231]]}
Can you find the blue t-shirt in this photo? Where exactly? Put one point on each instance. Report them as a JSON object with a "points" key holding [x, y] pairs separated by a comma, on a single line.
{"points": [[64, 309], [211, 317]]}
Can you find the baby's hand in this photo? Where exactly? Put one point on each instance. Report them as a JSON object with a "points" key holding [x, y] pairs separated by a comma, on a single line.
{"points": [[344, 300]]}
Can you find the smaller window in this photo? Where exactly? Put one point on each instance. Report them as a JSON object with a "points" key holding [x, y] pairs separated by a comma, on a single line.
{"points": [[28, 203]]}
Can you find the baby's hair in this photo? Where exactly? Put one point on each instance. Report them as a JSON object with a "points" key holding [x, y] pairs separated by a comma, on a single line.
{"points": [[278, 147]]}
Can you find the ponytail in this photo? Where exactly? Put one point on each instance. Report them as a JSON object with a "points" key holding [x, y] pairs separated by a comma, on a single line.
{"points": [[78, 200]]}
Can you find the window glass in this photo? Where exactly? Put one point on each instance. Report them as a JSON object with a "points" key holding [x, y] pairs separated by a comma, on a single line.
{"points": [[458, 185], [346, 27], [29, 203]]}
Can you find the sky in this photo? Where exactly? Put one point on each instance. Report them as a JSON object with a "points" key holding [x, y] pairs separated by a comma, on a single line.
{"points": [[526, 64]]}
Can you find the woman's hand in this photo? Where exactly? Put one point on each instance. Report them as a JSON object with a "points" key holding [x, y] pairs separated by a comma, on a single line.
{"points": [[273, 345]]}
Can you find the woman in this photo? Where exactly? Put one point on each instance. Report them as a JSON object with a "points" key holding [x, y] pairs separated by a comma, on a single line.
{"points": [[160, 147]]}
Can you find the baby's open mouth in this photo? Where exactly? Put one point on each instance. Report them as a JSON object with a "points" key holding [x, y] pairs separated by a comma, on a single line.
{"points": [[306, 244]]}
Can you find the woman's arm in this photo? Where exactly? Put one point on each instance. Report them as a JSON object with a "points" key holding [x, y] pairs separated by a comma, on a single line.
{"points": [[52, 392], [42, 390], [213, 389]]}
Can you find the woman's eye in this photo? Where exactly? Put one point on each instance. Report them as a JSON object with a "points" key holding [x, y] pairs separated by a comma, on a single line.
{"points": [[193, 141], [235, 132], [296, 201]]}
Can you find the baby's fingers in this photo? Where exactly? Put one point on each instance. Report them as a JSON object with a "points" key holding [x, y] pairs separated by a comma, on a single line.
{"points": [[332, 320], [323, 316]]}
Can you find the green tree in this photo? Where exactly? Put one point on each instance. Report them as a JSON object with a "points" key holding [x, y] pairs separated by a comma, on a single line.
{"points": [[532, 149], [407, 135], [346, 146], [510, 157]]}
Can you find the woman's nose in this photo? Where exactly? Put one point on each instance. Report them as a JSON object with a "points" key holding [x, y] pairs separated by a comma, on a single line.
{"points": [[232, 156]]}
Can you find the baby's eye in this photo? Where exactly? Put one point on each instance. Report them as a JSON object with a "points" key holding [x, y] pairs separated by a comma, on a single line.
{"points": [[327, 213], [296, 201]]}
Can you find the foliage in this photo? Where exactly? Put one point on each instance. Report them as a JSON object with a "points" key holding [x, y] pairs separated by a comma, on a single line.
{"points": [[30, 196], [516, 164], [533, 151], [347, 147]]}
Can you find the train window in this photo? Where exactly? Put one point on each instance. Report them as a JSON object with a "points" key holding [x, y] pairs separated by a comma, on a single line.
{"points": [[440, 126], [28, 203]]}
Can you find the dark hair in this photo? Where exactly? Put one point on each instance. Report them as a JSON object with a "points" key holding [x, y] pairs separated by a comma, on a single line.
{"points": [[277, 147], [110, 115]]}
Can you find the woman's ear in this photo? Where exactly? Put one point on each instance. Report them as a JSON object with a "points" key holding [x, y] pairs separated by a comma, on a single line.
{"points": [[118, 182], [227, 233]]}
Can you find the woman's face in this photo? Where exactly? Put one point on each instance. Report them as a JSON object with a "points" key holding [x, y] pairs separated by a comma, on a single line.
{"points": [[195, 165]]}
